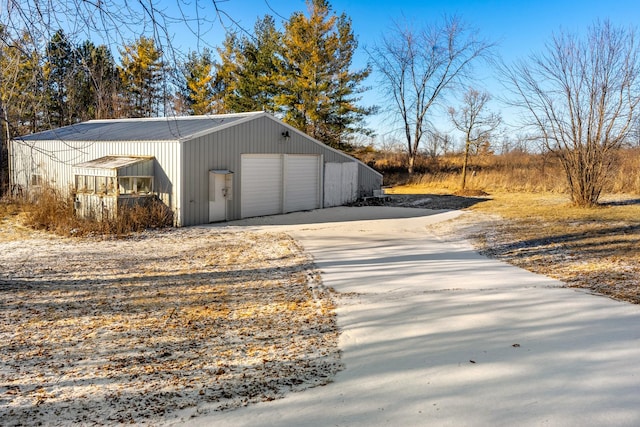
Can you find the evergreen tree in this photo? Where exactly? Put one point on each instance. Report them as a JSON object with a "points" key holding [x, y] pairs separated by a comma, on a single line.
{"points": [[59, 73], [227, 74], [318, 90], [259, 69], [196, 92], [141, 77], [98, 81], [346, 117], [81, 82]]}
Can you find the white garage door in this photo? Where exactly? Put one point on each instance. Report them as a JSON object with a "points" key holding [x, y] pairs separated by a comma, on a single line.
{"points": [[275, 183], [302, 183], [261, 188]]}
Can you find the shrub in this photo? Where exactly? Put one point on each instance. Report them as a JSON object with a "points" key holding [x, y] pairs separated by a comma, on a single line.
{"points": [[50, 210]]}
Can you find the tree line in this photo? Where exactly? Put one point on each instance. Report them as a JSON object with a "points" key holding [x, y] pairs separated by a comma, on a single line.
{"points": [[578, 97], [301, 73]]}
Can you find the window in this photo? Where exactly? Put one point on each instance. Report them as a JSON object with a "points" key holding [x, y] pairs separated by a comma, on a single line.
{"points": [[135, 184], [91, 184], [36, 179], [125, 185], [81, 187], [143, 184], [112, 184], [98, 184], [101, 184]]}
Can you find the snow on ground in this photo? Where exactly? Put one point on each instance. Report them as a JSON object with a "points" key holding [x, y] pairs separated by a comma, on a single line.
{"points": [[434, 334], [108, 331]]}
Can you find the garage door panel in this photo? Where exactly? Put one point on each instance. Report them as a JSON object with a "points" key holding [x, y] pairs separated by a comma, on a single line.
{"points": [[261, 185], [340, 183], [302, 183], [273, 183]]}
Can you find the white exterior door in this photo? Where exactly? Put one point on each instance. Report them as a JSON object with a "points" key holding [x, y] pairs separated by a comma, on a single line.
{"points": [[261, 185], [340, 183], [217, 197]]}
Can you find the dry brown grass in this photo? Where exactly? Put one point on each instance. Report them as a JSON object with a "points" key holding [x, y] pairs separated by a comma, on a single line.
{"points": [[596, 248], [131, 330], [12, 218], [52, 211], [512, 172]]}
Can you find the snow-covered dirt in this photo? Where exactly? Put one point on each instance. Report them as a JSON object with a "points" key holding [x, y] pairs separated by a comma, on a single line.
{"points": [[109, 331]]}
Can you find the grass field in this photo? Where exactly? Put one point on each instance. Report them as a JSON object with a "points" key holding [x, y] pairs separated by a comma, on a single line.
{"points": [[596, 248]]}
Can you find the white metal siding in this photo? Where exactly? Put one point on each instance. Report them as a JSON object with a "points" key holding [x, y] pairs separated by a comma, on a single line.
{"points": [[332, 184], [301, 183], [182, 167], [340, 183], [53, 160], [261, 185], [349, 182]]}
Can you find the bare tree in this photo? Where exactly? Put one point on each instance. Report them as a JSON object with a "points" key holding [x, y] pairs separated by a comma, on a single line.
{"points": [[110, 22], [113, 20], [418, 67], [581, 96], [475, 122], [437, 143]]}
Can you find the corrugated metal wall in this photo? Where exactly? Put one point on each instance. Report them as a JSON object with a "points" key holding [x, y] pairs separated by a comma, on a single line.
{"points": [[144, 168], [263, 135], [368, 180], [182, 168], [96, 206], [54, 160], [340, 184]]}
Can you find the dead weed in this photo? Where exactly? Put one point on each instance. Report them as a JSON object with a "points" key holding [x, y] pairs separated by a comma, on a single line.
{"points": [[596, 249], [96, 331]]}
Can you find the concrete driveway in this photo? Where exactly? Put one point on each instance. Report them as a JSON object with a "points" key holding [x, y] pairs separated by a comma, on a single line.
{"points": [[434, 334]]}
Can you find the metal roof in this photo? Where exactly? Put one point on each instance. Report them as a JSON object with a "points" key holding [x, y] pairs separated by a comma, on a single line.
{"points": [[112, 162], [144, 129]]}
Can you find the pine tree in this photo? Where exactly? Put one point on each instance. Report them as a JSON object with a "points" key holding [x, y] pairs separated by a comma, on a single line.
{"points": [[196, 93], [98, 81], [319, 92], [141, 77], [249, 71], [227, 73], [59, 73], [259, 66]]}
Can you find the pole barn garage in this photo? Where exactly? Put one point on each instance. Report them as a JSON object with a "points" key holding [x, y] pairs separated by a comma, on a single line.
{"points": [[205, 168]]}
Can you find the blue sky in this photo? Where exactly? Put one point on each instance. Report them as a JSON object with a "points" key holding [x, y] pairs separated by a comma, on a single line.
{"points": [[518, 27]]}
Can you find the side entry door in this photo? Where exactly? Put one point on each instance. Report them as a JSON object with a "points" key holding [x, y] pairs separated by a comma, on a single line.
{"points": [[219, 193]]}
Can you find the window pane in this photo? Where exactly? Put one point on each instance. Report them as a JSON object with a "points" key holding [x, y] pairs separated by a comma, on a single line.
{"points": [[101, 184], [91, 183], [143, 185], [125, 185], [111, 185]]}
